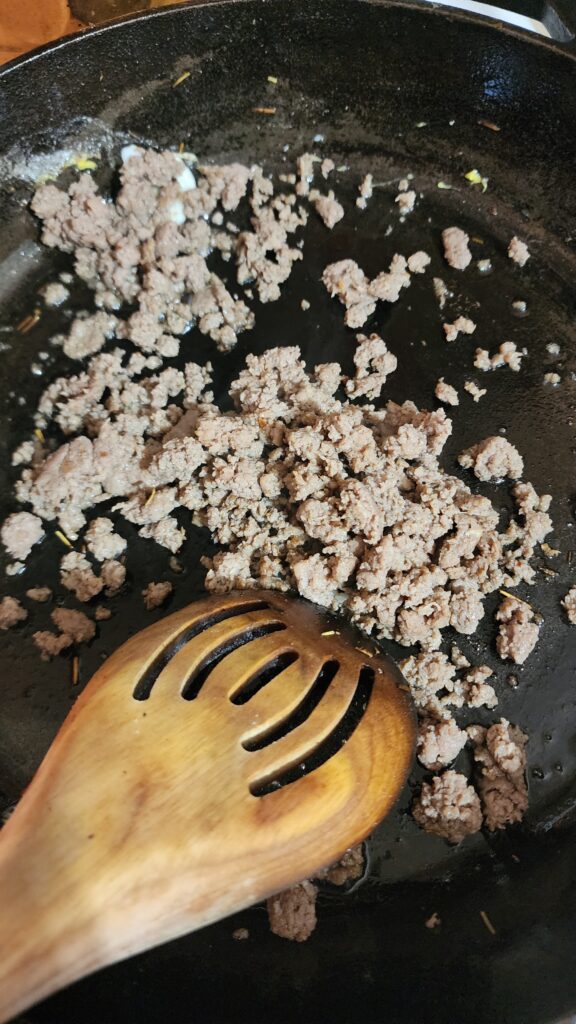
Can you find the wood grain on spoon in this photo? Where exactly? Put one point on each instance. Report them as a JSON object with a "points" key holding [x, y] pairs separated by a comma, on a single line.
{"points": [[181, 788]]}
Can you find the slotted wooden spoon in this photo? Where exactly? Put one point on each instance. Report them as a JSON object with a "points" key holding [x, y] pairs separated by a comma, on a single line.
{"points": [[202, 769]]}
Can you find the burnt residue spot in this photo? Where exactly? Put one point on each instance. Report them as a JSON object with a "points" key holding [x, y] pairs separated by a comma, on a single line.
{"points": [[319, 687], [196, 681], [331, 745], [143, 687]]}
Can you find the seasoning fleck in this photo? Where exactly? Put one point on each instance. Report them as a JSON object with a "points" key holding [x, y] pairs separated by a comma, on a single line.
{"points": [[264, 110], [433, 921], [272, 79], [28, 322], [490, 125], [487, 922], [40, 435], [62, 536], [181, 78], [75, 670]]}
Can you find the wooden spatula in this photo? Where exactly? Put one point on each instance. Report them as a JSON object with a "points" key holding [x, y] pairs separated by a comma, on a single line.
{"points": [[224, 753]]}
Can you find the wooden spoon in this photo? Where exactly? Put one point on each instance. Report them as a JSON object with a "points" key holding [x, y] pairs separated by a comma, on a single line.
{"points": [[174, 793]]}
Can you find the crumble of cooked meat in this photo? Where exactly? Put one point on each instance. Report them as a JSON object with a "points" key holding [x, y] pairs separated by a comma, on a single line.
{"points": [[458, 659], [304, 305], [55, 294], [493, 459], [473, 389], [552, 378], [365, 189], [477, 692], [101, 540], [41, 594], [374, 363], [448, 807], [20, 532], [75, 627], [326, 167], [405, 201], [418, 262], [78, 576], [327, 207], [439, 742], [501, 772], [456, 251], [358, 294], [305, 168], [292, 913], [75, 624], [518, 632], [446, 393], [569, 605], [461, 325], [88, 335], [507, 355], [101, 613], [11, 612], [112, 575], [441, 291], [350, 867], [240, 934], [518, 251], [155, 594]]}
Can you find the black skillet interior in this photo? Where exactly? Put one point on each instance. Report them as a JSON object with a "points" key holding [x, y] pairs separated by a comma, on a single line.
{"points": [[394, 90]]}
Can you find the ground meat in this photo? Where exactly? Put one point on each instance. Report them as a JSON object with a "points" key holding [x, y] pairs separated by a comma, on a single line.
{"points": [[473, 389], [500, 772], [569, 605], [101, 540], [461, 325], [418, 262], [552, 378], [358, 294], [456, 251], [327, 207], [405, 201], [350, 867], [78, 576], [101, 613], [77, 625], [88, 335], [113, 574], [365, 189], [11, 612], [477, 692], [507, 355], [441, 291], [41, 594], [446, 393], [518, 632], [292, 913], [373, 364], [439, 742], [448, 807], [55, 294], [75, 628], [20, 532], [518, 251], [493, 459], [155, 594]]}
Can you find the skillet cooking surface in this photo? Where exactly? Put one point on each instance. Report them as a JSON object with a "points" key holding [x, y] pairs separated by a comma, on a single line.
{"points": [[371, 952]]}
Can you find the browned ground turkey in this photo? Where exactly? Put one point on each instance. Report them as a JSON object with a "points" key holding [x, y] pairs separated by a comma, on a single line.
{"points": [[448, 807], [518, 251], [446, 393], [299, 489], [155, 594], [507, 355], [20, 532], [292, 913], [518, 632], [500, 772], [40, 594], [461, 325], [11, 612], [569, 605], [456, 251]]}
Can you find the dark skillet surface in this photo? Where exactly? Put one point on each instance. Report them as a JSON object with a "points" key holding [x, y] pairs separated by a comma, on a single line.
{"points": [[371, 954]]}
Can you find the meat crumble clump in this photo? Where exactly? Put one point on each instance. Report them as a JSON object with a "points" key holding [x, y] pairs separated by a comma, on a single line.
{"points": [[500, 757], [448, 807]]}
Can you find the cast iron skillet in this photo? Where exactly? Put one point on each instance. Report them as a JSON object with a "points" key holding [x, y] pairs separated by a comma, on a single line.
{"points": [[392, 89]]}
